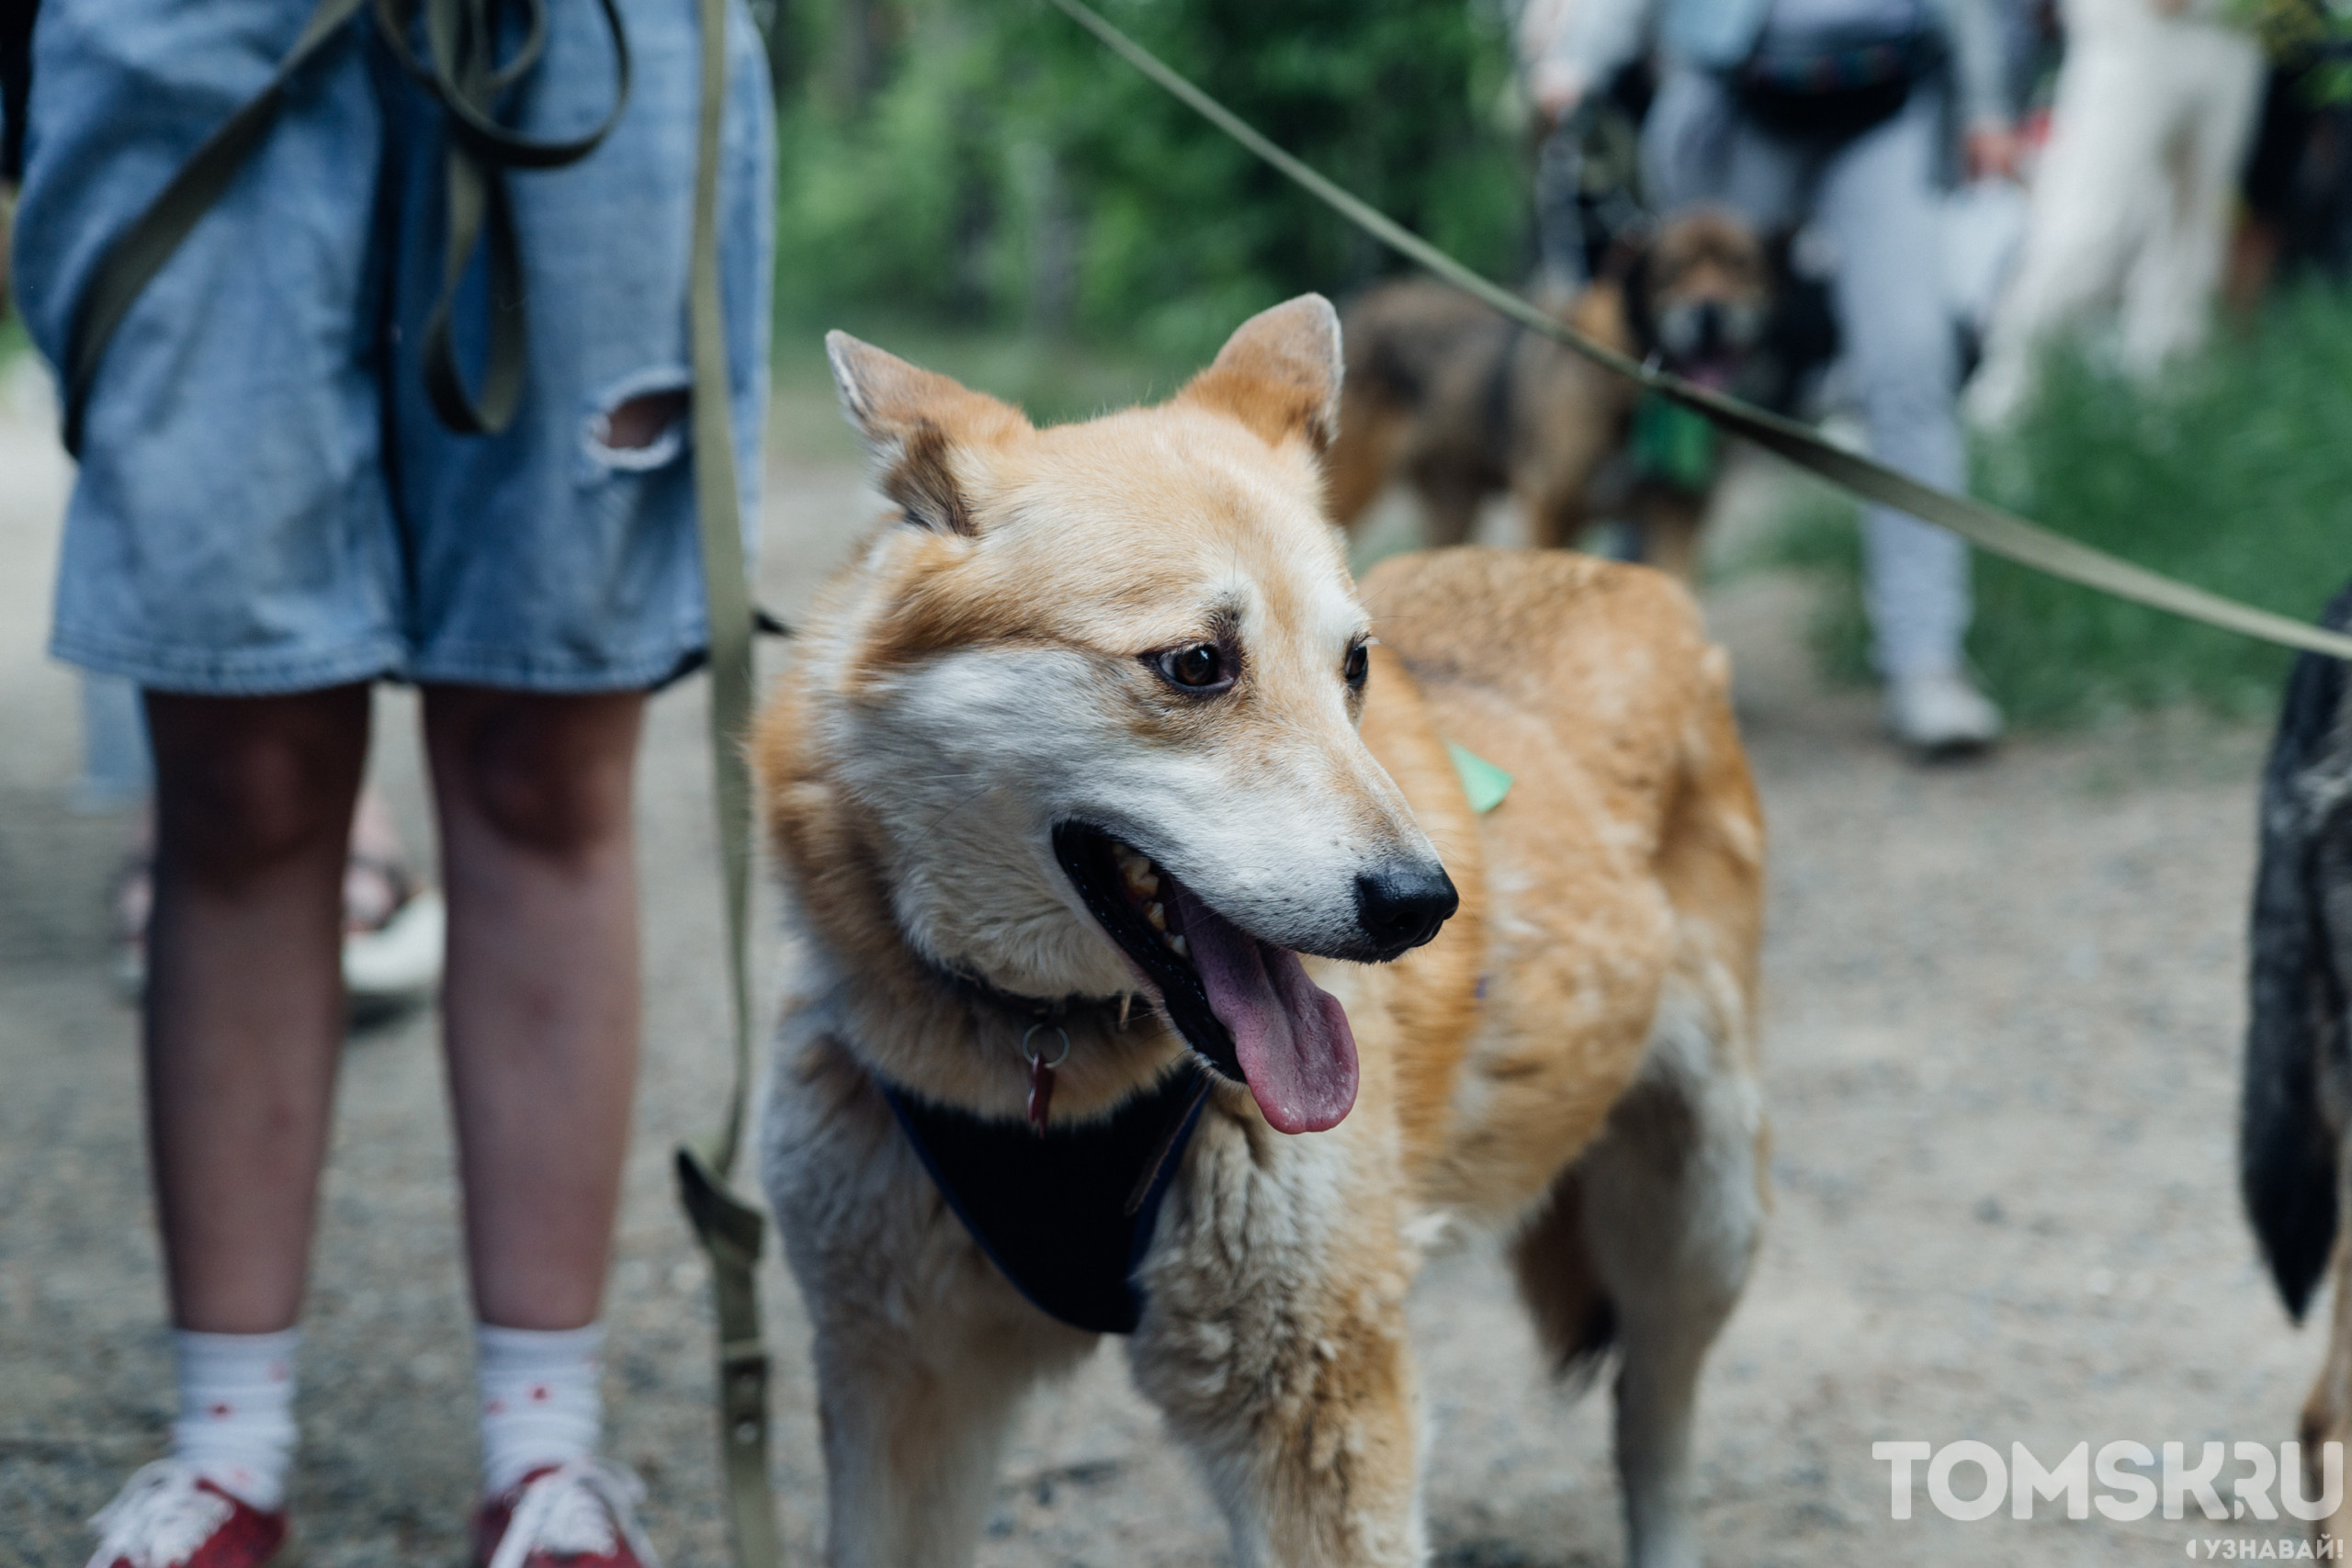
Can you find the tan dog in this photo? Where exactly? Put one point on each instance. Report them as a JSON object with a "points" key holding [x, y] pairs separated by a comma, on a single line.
{"points": [[1088, 759], [1464, 403]]}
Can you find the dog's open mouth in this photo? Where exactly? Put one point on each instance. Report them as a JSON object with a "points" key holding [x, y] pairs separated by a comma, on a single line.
{"points": [[1246, 1007], [1714, 374]]}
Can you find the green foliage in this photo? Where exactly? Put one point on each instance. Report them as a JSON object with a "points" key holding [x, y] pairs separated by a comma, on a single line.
{"points": [[2234, 474], [1005, 169], [2305, 38]]}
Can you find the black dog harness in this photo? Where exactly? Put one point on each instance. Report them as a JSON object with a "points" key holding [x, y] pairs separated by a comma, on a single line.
{"points": [[1067, 1214]]}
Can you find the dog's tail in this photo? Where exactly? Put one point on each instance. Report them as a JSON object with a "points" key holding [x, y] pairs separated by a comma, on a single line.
{"points": [[2288, 1134]]}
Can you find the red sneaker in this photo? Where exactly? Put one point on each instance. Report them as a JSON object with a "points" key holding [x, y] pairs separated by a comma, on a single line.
{"points": [[580, 1514], [168, 1516]]}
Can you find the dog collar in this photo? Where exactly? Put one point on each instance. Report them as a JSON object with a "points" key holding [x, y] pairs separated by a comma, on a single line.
{"points": [[1064, 1010], [1065, 1215]]}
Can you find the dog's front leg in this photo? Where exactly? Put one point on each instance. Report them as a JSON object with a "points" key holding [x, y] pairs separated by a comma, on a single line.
{"points": [[915, 1428], [1274, 1341], [1670, 519], [923, 1352]]}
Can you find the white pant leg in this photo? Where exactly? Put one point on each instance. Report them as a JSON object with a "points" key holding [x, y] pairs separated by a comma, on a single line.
{"points": [[2213, 76], [1877, 197], [2093, 197], [1879, 201]]}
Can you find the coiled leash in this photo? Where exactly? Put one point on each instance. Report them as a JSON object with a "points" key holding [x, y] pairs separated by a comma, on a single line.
{"points": [[460, 68], [1986, 528]]}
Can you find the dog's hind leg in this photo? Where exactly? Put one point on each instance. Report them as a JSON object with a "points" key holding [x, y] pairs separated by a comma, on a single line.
{"points": [[1670, 520], [1555, 521], [1649, 1237], [2327, 1414]]}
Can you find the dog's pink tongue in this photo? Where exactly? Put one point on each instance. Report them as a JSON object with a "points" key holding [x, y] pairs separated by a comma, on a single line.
{"points": [[1291, 1034]]}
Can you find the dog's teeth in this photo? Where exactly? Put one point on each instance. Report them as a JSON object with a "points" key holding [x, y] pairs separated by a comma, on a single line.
{"points": [[1158, 917], [1143, 885], [1176, 944], [1136, 867]]}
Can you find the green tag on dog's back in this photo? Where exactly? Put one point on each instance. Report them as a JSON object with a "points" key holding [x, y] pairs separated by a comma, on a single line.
{"points": [[1484, 782]]}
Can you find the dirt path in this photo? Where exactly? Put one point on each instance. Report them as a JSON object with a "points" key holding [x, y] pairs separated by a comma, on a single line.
{"points": [[2003, 1009]]}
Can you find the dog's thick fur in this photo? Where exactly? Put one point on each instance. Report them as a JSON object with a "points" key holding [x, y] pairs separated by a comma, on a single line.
{"points": [[1464, 403], [2297, 1110], [1568, 1063]]}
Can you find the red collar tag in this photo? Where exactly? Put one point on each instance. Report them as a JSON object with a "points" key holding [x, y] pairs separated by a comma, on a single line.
{"points": [[1041, 1074]]}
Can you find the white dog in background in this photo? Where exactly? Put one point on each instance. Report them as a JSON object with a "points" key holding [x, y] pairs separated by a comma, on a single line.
{"points": [[2132, 199]]}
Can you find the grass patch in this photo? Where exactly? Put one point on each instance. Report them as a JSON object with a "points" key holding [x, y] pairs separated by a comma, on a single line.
{"points": [[2234, 474], [1051, 379]]}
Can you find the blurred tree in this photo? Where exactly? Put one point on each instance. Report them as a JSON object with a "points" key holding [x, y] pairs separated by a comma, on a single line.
{"points": [[779, 37], [1005, 167]]}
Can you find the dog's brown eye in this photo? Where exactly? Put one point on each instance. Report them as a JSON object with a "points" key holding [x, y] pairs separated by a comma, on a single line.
{"points": [[1203, 665], [1359, 664]]}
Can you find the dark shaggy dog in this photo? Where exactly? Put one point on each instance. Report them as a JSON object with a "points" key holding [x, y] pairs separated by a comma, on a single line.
{"points": [[2298, 1097]]}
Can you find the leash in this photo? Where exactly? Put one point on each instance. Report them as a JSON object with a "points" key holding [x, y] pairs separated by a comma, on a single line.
{"points": [[1986, 528], [729, 1228], [460, 70]]}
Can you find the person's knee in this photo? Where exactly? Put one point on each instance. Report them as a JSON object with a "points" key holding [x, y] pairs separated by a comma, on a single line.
{"points": [[537, 803], [236, 798], [551, 775]]}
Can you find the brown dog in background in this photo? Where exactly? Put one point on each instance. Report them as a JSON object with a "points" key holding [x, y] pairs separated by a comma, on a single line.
{"points": [[1464, 403]]}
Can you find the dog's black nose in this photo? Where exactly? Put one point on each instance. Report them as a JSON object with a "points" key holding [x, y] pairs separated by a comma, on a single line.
{"points": [[1402, 907]]}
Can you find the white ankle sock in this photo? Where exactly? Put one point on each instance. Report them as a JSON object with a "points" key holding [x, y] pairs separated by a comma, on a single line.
{"points": [[540, 1400], [236, 1423]]}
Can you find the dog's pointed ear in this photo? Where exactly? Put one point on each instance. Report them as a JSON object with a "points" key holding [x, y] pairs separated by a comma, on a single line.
{"points": [[1279, 374], [915, 422]]}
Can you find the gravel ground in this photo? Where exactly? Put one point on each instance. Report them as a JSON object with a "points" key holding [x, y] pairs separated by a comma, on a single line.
{"points": [[2003, 1003]]}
